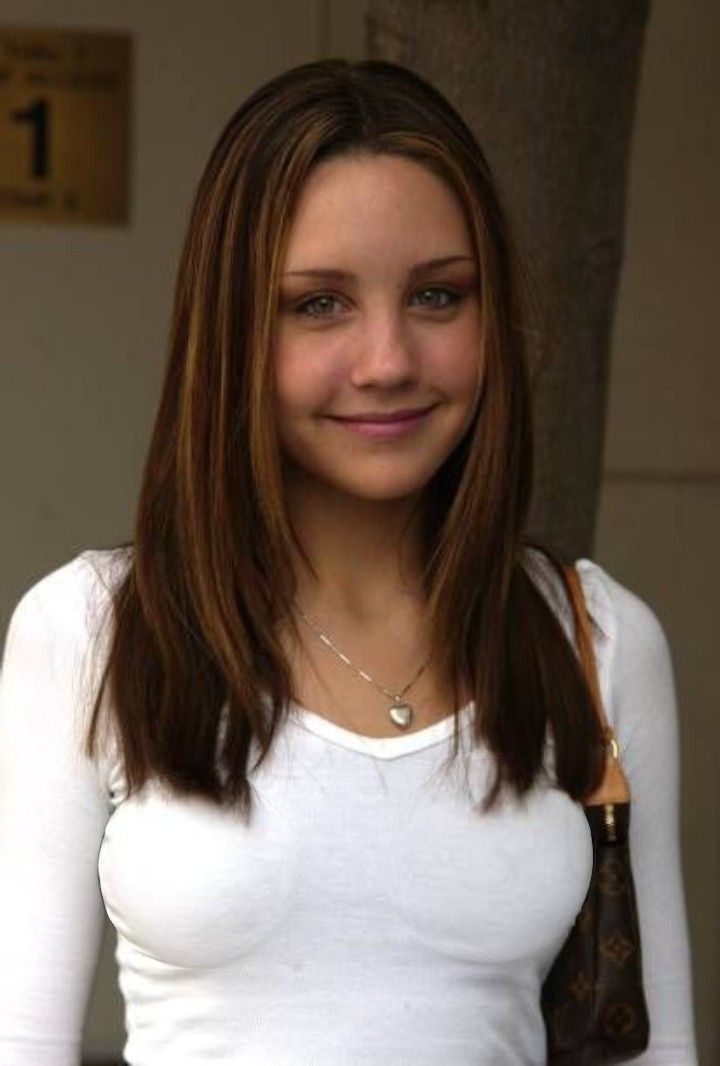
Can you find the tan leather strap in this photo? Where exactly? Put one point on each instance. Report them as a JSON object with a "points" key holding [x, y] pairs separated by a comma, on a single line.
{"points": [[614, 787]]}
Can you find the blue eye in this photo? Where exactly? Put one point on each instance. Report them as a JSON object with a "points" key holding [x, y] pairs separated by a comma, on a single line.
{"points": [[452, 299], [300, 309]]}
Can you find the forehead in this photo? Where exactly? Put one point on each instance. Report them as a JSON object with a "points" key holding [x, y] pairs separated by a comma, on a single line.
{"points": [[348, 201]]}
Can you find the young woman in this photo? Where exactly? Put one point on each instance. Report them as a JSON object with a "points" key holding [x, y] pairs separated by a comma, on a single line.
{"points": [[317, 739]]}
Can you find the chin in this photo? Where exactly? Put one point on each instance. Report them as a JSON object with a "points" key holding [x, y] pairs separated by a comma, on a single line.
{"points": [[374, 475], [381, 485]]}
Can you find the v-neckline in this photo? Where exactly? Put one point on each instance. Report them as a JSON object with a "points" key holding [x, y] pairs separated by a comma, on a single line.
{"points": [[381, 747]]}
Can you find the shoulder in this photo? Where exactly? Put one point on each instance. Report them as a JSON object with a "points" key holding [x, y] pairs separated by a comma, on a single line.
{"points": [[615, 609], [630, 621], [89, 577], [63, 617], [628, 637], [50, 668]]}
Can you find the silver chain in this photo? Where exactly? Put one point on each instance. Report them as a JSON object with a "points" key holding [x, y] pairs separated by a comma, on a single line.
{"points": [[401, 712]]}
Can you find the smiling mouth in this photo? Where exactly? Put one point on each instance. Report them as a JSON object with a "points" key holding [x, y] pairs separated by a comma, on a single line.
{"points": [[394, 416], [385, 430]]}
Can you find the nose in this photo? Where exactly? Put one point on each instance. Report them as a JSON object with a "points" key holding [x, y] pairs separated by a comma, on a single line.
{"points": [[385, 355]]}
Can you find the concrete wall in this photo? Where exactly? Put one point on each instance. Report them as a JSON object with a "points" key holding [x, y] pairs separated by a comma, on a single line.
{"points": [[659, 522], [85, 315], [85, 311]]}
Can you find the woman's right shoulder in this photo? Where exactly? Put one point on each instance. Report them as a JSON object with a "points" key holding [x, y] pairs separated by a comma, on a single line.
{"points": [[73, 596], [53, 657]]}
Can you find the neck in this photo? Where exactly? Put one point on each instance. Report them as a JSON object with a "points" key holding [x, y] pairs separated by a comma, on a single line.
{"points": [[366, 564]]}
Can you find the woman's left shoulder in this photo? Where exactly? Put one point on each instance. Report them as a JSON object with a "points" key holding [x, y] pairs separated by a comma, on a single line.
{"points": [[636, 667], [629, 640], [621, 613], [615, 609]]}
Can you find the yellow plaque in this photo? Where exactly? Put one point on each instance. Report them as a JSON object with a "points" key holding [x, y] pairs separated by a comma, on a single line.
{"points": [[64, 126]]}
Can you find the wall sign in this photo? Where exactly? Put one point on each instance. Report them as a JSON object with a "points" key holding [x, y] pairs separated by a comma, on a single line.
{"points": [[64, 126]]}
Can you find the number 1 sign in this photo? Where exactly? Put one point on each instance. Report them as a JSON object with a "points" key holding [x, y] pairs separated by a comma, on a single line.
{"points": [[64, 126]]}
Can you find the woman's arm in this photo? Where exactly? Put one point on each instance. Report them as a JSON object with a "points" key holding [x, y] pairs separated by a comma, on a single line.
{"points": [[644, 710], [53, 811]]}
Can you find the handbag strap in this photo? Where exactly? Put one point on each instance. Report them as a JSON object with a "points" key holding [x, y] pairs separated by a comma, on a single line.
{"points": [[614, 787]]}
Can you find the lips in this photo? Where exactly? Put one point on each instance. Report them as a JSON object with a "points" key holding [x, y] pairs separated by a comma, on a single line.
{"points": [[384, 430], [397, 416]]}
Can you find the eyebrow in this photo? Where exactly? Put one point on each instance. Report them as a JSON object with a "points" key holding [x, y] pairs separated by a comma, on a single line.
{"points": [[343, 275]]}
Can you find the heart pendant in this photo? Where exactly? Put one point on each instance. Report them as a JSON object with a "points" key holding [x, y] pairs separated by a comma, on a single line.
{"points": [[401, 713]]}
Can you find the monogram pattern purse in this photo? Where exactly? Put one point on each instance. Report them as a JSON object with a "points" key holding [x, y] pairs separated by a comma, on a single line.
{"points": [[592, 999]]}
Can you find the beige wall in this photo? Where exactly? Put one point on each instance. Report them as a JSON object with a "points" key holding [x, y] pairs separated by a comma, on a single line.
{"points": [[85, 315], [659, 521], [85, 311]]}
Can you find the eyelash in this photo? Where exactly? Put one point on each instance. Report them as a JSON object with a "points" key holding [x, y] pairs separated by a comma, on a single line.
{"points": [[455, 298]]}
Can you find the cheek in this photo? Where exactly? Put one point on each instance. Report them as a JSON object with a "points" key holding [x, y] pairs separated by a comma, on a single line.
{"points": [[306, 376], [453, 362], [455, 370]]}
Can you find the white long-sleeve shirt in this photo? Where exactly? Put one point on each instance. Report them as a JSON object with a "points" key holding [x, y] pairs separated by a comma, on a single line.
{"points": [[368, 914]]}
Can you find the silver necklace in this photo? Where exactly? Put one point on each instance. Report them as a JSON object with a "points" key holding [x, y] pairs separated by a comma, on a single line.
{"points": [[401, 712]]}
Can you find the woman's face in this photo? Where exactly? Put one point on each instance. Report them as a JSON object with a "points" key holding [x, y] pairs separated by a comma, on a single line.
{"points": [[380, 338]]}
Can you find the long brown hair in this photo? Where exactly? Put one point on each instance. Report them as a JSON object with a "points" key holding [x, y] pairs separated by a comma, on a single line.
{"points": [[194, 646]]}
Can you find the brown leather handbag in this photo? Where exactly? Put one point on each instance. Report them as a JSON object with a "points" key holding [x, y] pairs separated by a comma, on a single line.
{"points": [[592, 999]]}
